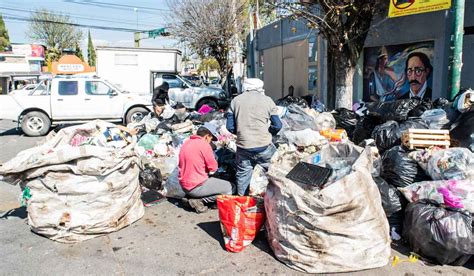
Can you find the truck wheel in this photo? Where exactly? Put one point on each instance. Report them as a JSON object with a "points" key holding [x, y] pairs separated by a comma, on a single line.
{"points": [[35, 123], [210, 102], [136, 114]]}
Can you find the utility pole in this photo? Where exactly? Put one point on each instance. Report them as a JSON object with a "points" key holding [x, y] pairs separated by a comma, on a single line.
{"points": [[136, 35], [458, 35]]}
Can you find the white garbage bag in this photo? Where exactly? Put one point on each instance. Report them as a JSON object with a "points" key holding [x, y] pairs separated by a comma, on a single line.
{"points": [[172, 188], [78, 192], [339, 228]]}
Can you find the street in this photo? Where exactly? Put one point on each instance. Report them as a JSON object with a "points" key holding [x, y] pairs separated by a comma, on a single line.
{"points": [[167, 240]]}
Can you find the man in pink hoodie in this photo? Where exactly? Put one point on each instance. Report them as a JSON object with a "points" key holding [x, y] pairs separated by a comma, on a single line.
{"points": [[196, 163]]}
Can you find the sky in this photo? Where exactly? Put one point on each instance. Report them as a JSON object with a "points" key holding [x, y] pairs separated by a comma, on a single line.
{"points": [[119, 13]]}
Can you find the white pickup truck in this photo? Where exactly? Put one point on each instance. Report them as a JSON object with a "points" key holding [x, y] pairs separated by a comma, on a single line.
{"points": [[72, 100]]}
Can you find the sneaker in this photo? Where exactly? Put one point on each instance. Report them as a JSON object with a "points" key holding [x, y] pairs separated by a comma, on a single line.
{"points": [[198, 205]]}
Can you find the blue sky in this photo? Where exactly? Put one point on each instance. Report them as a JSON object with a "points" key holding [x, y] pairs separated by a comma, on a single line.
{"points": [[118, 13]]}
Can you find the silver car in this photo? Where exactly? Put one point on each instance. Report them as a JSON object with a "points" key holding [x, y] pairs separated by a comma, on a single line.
{"points": [[191, 96]]}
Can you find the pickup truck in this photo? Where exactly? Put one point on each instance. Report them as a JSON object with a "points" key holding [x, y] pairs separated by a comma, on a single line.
{"points": [[72, 100], [190, 95]]}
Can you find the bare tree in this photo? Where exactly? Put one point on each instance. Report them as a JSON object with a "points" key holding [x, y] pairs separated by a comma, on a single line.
{"points": [[344, 24], [54, 30], [209, 27]]}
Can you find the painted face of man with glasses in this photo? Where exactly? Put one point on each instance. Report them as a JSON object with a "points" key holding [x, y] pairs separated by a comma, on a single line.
{"points": [[418, 69]]}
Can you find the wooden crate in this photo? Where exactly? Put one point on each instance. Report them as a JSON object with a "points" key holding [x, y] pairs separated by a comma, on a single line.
{"points": [[425, 138]]}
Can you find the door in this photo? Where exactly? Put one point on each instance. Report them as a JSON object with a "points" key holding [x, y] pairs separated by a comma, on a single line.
{"points": [[289, 75], [101, 101], [66, 101]]}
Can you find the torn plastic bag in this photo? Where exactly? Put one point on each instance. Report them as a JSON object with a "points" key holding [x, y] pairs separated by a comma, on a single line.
{"points": [[290, 100], [395, 110], [399, 170], [365, 126], [462, 133], [339, 228], [452, 193], [392, 199], [78, 193], [440, 234], [150, 178], [345, 119]]}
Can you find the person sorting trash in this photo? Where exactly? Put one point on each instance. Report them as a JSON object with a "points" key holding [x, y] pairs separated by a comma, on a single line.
{"points": [[158, 107], [196, 163], [161, 92], [253, 117]]}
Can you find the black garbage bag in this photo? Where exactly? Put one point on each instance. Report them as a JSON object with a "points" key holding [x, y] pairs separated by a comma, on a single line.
{"points": [[226, 164], [364, 127], [462, 133], [289, 100], [395, 221], [392, 199], [395, 110], [386, 135], [418, 110], [150, 178], [400, 170], [438, 233], [345, 119], [441, 103]]}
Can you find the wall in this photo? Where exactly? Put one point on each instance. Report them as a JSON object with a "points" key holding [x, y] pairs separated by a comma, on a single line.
{"points": [[295, 67], [273, 68]]}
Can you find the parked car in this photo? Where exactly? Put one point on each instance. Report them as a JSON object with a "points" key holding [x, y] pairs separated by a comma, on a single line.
{"points": [[183, 91], [195, 80], [30, 89], [72, 100]]}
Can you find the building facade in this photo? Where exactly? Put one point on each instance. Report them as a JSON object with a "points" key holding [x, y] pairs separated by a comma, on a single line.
{"points": [[287, 53]]}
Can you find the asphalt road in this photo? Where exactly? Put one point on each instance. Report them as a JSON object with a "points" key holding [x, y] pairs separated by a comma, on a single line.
{"points": [[168, 240]]}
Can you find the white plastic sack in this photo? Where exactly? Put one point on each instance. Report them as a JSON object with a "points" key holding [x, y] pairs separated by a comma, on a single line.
{"points": [[305, 138], [78, 193], [339, 228], [259, 181], [172, 188]]}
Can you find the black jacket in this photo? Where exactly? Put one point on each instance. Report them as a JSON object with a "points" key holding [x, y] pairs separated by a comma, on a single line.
{"points": [[426, 97], [161, 93]]}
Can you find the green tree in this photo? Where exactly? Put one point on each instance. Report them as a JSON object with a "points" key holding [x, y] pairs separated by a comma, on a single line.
{"points": [[78, 51], [90, 51], [54, 30], [208, 64], [4, 38]]}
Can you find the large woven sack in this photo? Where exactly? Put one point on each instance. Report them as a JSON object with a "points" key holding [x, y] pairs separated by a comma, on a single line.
{"points": [[339, 228], [78, 193]]}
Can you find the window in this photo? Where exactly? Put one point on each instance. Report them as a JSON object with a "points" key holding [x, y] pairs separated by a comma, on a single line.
{"points": [[67, 88], [313, 49], [97, 88], [173, 81]]}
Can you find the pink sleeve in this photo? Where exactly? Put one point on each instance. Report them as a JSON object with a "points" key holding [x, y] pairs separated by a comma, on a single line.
{"points": [[209, 159]]}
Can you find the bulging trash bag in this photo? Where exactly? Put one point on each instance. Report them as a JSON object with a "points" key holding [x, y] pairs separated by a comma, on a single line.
{"points": [[150, 178], [418, 110], [325, 120], [436, 118], [452, 163], [399, 170], [440, 234], [289, 100], [462, 133], [364, 127], [395, 110], [392, 199], [339, 228], [297, 119], [386, 135], [441, 103], [345, 119], [305, 138], [452, 193]]}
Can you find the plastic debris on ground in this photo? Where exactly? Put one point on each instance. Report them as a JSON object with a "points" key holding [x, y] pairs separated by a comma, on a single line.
{"points": [[438, 233], [334, 217], [97, 171]]}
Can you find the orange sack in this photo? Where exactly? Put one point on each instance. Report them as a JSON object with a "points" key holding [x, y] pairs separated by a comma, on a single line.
{"points": [[241, 218]]}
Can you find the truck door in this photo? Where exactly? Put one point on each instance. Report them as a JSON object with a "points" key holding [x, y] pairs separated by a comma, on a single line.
{"points": [[179, 90], [101, 101], [66, 101]]}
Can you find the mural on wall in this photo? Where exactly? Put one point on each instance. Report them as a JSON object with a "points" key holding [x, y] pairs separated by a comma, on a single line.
{"points": [[398, 71]]}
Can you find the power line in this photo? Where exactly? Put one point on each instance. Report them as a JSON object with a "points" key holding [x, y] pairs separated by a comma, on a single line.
{"points": [[100, 4], [127, 22], [26, 19]]}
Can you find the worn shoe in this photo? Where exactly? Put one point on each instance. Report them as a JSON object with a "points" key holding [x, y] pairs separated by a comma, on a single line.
{"points": [[198, 205]]}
